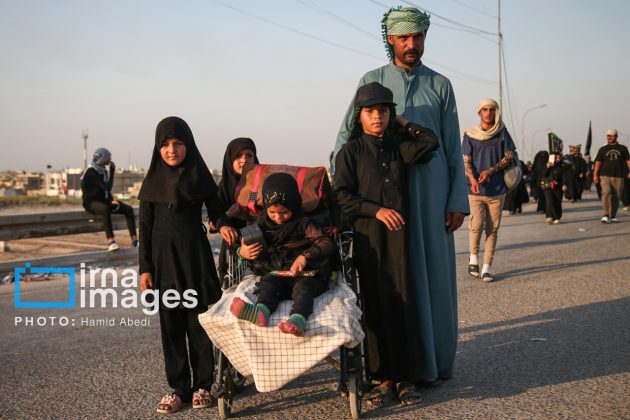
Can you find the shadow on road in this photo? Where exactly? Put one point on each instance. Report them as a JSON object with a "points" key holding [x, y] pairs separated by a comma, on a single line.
{"points": [[556, 347], [554, 267], [549, 243]]}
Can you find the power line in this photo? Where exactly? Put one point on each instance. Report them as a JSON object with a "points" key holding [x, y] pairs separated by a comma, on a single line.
{"points": [[470, 76], [507, 90], [337, 18], [295, 30], [334, 44], [474, 9], [450, 20]]}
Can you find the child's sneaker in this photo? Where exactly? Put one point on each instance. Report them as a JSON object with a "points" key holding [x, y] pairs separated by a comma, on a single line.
{"points": [[135, 243], [113, 246]]}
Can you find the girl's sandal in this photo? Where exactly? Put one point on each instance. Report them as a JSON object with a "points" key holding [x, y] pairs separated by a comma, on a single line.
{"points": [[202, 399], [381, 396], [170, 404], [408, 394]]}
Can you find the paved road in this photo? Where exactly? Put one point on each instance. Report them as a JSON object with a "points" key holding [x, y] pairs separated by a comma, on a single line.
{"points": [[548, 339]]}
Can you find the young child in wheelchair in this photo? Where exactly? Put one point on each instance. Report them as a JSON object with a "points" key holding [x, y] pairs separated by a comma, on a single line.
{"points": [[293, 259]]}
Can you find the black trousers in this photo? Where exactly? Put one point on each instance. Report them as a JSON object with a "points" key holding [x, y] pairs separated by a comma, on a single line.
{"points": [[106, 210], [553, 199], [176, 325], [302, 290]]}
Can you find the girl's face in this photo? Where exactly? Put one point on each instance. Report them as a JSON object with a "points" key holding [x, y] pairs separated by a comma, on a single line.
{"points": [[374, 119], [173, 151], [245, 156], [279, 214]]}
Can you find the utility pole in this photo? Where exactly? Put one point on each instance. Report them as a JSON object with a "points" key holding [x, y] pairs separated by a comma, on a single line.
{"points": [[500, 56], [84, 135]]}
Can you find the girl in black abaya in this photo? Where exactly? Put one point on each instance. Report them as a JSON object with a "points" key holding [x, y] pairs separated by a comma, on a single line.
{"points": [[175, 257], [239, 152]]}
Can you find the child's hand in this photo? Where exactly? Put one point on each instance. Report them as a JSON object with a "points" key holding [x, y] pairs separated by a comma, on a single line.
{"points": [[474, 185], [298, 265], [392, 219], [146, 281], [483, 177], [250, 252], [229, 234]]}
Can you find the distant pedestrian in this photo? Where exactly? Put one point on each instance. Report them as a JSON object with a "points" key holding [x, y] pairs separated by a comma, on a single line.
{"points": [[576, 173], [612, 165], [487, 150], [538, 169], [515, 198], [96, 187], [553, 184]]}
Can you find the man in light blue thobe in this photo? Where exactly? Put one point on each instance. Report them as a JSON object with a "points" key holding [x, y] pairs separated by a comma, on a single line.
{"points": [[438, 198]]}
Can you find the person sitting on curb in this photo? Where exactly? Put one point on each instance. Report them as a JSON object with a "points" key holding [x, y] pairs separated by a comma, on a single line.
{"points": [[96, 186]]}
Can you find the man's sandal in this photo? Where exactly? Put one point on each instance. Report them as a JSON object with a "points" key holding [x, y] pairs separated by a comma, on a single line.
{"points": [[408, 394], [381, 396], [473, 270], [170, 404], [202, 399]]}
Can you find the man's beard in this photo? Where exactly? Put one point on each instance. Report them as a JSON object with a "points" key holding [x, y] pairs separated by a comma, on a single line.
{"points": [[411, 59]]}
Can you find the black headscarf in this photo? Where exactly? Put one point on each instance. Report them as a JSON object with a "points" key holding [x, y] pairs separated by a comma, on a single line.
{"points": [[229, 178], [189, 181], [281, 188]]}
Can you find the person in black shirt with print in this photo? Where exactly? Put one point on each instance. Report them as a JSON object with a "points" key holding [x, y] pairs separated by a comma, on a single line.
{"points": [[612, 165]]}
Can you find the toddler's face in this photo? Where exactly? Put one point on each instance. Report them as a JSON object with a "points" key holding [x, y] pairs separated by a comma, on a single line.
{"points": [[279, 214], [246, 156], [173, 151], [374, 119]]}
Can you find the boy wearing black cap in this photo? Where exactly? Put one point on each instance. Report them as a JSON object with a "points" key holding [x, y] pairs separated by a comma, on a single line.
{"points": [[370, 185]]}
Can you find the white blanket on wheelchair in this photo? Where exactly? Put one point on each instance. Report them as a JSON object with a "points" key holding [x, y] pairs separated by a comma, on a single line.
{"points": [[272, 357]]}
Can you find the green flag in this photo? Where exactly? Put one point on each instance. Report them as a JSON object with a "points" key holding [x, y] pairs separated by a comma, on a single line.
{"points": [[555, 143], [589, 140]]}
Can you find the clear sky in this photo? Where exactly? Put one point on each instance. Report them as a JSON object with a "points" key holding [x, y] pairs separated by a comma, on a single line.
{"points": [[117, 68]]}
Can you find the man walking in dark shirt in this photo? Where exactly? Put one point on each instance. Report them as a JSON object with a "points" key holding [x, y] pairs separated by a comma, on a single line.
{"points": [[612, 165]]}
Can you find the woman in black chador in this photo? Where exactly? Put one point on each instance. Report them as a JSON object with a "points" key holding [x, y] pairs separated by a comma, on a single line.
{"points": [[515, 199], [175, 256], [370, 185], [538, 169], [553, 183], [239, 152]]}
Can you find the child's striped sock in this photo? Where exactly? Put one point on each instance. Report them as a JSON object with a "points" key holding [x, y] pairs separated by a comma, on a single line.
{"points": [[256, 314], [296, 324]]}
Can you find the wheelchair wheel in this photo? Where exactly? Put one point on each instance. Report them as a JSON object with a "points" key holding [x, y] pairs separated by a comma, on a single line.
{"points": [[225, 387], [353, 396], [237, 379]]}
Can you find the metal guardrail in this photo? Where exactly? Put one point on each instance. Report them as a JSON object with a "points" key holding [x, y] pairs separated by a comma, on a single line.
{"points": [[39, 225]]}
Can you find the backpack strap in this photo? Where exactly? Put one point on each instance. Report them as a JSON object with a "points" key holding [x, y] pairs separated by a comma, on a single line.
{"points": [[253, 195]]}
